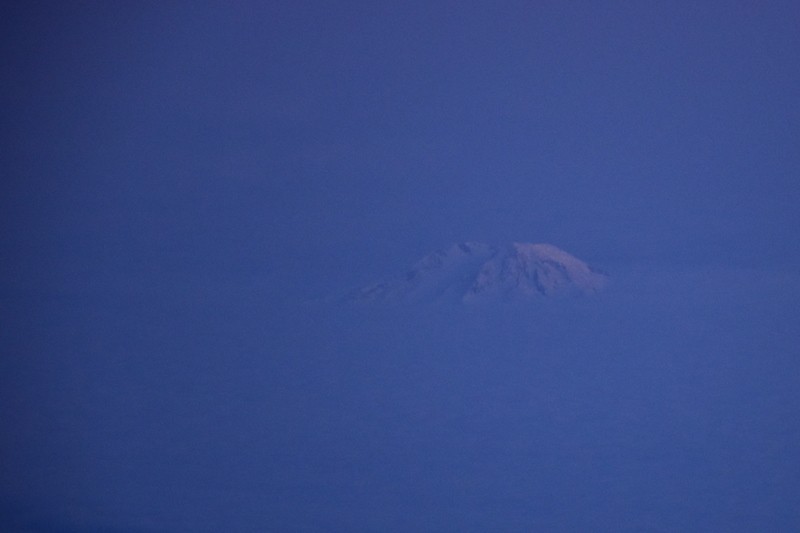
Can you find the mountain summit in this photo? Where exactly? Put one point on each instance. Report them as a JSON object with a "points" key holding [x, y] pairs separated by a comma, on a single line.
{"points": [[472, 271]]}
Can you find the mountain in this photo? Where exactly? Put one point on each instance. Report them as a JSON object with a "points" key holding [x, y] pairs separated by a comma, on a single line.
{"points": [[472, 271]]}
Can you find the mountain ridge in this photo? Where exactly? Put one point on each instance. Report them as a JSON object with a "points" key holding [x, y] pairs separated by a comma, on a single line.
{"points": [[471, 271]]}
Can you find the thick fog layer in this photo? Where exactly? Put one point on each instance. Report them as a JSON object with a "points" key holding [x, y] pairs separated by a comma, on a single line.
{"points": [[666, 403]]}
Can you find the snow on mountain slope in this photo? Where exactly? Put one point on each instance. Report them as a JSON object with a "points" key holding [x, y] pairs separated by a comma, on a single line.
{"points": [[473, 271]]}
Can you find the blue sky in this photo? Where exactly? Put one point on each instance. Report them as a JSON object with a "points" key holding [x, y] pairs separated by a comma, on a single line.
{"points": [[266, 135]]}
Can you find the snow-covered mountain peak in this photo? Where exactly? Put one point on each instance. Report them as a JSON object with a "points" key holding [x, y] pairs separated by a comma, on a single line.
{"points": [[472, 271], [452, 254], [524, 269]]}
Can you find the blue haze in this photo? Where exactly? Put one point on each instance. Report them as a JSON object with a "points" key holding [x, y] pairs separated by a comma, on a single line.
{"points": [[184, 183]]}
